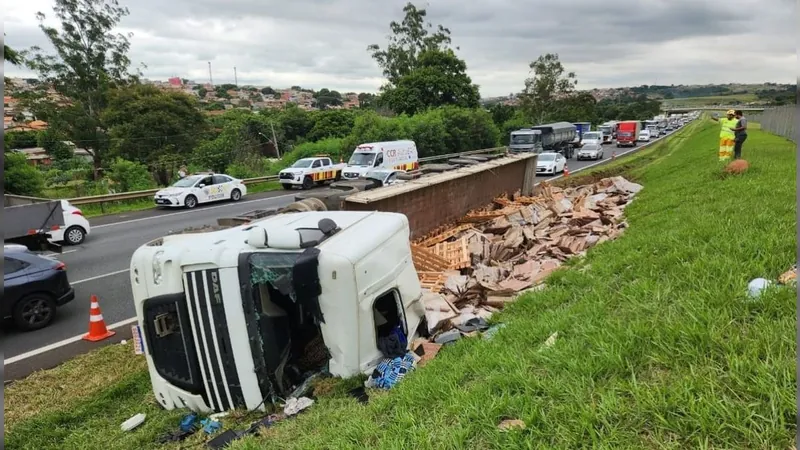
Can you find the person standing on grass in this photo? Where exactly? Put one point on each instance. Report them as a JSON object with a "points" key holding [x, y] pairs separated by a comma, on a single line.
{"points": [[740, 133], [726, 135]]}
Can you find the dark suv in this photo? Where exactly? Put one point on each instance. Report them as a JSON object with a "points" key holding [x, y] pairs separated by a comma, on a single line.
{"points": [[34, 286]]}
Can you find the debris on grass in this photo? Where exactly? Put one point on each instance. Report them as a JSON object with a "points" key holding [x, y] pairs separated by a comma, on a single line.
{"points": [[511, 424]]}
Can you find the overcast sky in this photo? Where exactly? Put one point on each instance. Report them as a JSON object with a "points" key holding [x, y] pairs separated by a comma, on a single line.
{"points": [[322, 43]]}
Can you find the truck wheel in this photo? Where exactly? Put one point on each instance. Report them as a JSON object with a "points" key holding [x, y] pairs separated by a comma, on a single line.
{"points": [[286, 186], [308, 183], [338, 176], [190, 202]]}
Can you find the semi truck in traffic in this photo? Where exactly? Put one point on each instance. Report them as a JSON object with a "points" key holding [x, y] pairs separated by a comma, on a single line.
{"points": [[628, 133], [609, 130], [552, 137], [580, 127], [238, 317]]}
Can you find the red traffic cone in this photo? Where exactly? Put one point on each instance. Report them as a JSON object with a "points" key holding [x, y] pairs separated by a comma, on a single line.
{"points": [[566, 171], [97, 326]]}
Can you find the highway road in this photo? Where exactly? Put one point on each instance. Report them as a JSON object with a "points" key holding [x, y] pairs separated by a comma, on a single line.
{"points": [[100, 267]]}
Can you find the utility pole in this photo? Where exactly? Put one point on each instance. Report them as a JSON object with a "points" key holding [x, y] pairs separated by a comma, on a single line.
{"points": [[235, 78], [274, 140], [210, 78]]}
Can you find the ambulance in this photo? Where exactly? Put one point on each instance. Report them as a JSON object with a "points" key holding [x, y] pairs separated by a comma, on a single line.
{"points": [[396, 155]]}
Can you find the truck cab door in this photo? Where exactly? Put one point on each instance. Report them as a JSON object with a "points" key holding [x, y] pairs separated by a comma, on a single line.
{"points": [[378, 160]]}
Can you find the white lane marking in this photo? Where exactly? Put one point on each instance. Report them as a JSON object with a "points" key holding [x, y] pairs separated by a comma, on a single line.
{"points": [[99, 276], [62, 343], [56, 345], [207, 208]]}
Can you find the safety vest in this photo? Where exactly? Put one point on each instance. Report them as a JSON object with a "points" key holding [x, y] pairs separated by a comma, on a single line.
{"points": [[725, 127]]}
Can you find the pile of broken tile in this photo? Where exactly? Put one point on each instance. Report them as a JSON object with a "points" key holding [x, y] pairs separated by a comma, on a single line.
{"points": [[472, 268]]}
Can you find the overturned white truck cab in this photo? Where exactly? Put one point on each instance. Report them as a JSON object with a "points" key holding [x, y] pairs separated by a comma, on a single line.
{"points": [[235, 318]]}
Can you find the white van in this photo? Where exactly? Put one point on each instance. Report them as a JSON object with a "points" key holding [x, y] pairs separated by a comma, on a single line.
{"points": [[397, 155]]}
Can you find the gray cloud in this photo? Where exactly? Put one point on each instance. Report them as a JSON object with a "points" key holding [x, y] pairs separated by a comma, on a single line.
{"points": [[322, 43]]}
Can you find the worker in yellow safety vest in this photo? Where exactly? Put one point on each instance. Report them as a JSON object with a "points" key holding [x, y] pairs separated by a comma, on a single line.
{"points": [[726, 135]]}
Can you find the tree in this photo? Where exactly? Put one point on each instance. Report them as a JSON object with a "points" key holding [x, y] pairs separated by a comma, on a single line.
{"points": [[129, 176], [576, 107], [407, 41], [501, 113], [331, 123], [52, 141], [153, 127], [202, 92], [19, 177], [549, 83], [90, 59], [268, 91], [19, 139], [438, 79], [326, 98], [366, 100]]}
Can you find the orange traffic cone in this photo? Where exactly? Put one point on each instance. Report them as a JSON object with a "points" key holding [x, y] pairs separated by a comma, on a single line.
{"points": [[566, 171], [97, 326]]}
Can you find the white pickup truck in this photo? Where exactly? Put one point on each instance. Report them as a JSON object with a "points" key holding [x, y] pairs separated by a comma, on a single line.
{"points": [[307, 172]]}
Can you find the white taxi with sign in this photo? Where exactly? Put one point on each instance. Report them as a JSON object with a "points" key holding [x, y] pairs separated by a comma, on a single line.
{"points": [[201, 188], [306, 172]]}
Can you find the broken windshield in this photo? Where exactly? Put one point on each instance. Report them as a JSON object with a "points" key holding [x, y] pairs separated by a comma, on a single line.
{"points": [[274, 269]]}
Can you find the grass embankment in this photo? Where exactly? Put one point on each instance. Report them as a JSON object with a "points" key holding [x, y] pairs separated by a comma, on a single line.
{"points": [[710, 100], [94, 210], [658, 346]]}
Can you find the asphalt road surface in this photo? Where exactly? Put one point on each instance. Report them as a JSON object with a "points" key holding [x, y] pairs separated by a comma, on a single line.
{"points": [[100, 267]]}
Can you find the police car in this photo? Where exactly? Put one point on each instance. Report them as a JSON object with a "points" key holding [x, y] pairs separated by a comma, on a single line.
{"points": [[201, 188]]}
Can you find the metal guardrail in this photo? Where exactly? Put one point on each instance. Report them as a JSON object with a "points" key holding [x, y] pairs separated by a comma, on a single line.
{"points": [[100, 199]]}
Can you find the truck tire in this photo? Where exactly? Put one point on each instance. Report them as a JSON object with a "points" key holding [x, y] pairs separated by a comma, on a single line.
{"points": [[308, 183], [296, 207], [314, 204]]}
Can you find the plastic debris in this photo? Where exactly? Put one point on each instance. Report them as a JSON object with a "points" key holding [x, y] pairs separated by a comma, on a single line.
{"points": [[210, 426], [294, 405], [133, 422], [756, 287]]}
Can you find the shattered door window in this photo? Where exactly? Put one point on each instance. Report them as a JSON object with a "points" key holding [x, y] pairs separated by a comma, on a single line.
{"points": [[274, 269]]}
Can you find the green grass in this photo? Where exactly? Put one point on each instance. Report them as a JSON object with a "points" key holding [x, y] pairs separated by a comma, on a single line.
{"points": [[658, 345], [94, 210], [711, 100]]}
